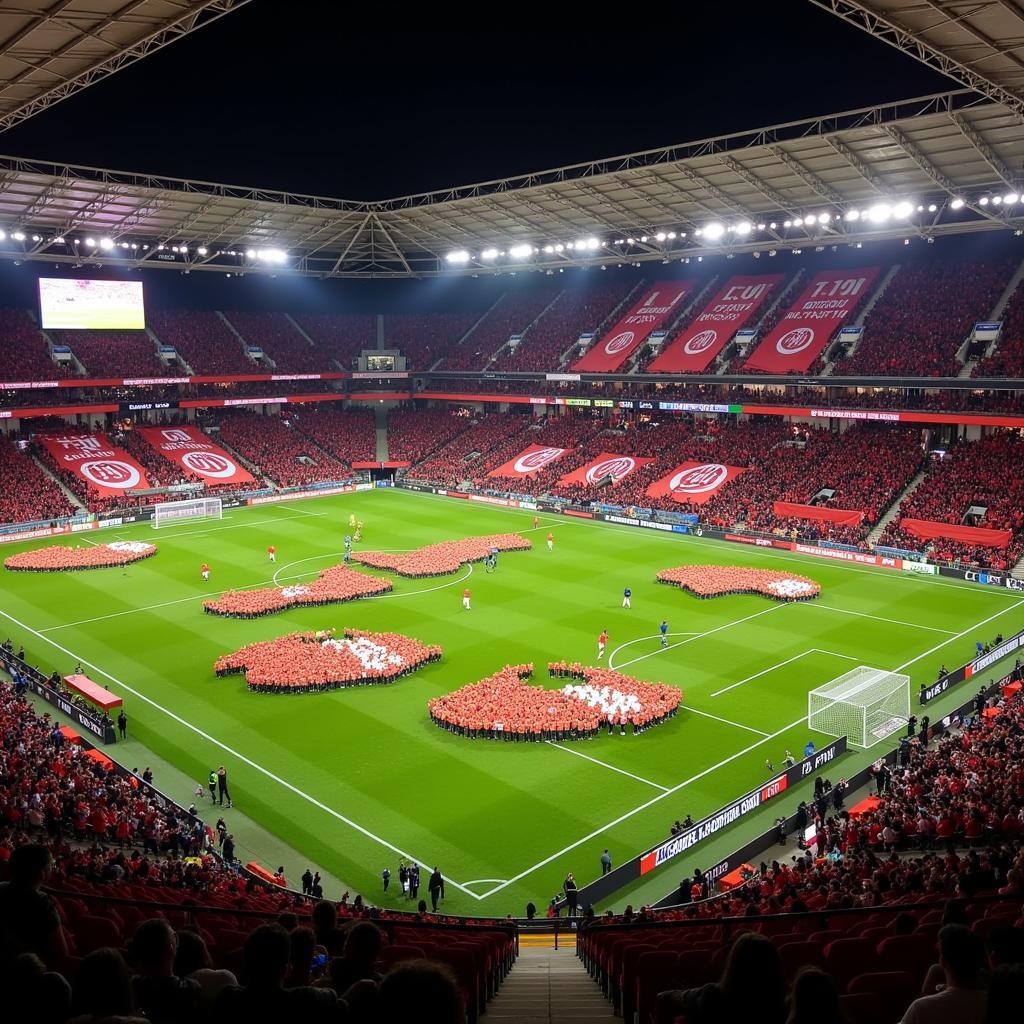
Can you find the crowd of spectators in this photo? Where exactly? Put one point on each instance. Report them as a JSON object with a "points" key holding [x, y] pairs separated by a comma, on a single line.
{"points": [[203, 340], [24, 354], [924, 316], [414, 433], [314, 662], [115, 353], [27, 494], [512, 314], [445, 557], [281, 341], [461, 457], [984, 473], [424, 337], [90, 498], [333, 586], [286, 456], [348, 434], [575, 311], [340, 336]]}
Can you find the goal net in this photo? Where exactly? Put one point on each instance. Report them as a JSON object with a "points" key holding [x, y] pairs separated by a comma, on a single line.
{"points": [[169, 512], [864, 704]]}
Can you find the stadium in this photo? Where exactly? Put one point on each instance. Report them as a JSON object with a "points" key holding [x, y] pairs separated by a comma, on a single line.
{"points": [[594, 591]]}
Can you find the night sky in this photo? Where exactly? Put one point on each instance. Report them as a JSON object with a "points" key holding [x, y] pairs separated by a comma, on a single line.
{"points": [[303, 97]]}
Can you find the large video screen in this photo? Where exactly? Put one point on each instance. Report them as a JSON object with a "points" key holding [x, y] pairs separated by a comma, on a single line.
{"points": [[79, 304]]}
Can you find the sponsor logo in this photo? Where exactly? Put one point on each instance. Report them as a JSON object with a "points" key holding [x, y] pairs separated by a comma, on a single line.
{"points": [[774, 788], [699, 479], [935, 689], [1012, 584], [713, 874], [209, 464], [615, 468], [536, 460], [921, 568], [820, 759], [795, 341], [995, 654], [110, 473], [700, 342], [621, 341]]}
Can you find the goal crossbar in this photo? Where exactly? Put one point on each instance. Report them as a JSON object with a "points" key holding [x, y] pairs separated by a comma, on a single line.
{"points": [[167, 513]]}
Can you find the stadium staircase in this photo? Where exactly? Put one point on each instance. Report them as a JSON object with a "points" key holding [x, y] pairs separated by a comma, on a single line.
{"points": [[241, 341], [786, 294], [380, 420], [67, 494], [525, 331], [548, 986], [996, 314], [462, 341], [863, 315], [890, 514]]}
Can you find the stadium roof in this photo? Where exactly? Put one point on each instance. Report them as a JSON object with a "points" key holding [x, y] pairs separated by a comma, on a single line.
{"points": [[51, 50], [941, 164], [978, 43]]}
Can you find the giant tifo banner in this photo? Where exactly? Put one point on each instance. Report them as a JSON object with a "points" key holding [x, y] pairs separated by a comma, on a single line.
{"points": [[618, 467], [191, 450], [648, 315], [530, 461], [697, 347], [980, 535], [810, 322], [93, 459], [696, 482]]}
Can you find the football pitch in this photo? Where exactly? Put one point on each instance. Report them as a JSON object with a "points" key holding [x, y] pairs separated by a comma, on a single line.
{"points": [[357, 778]]}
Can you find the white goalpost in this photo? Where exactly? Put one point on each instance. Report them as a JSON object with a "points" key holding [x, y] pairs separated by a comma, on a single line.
{"points": [[865, 705], [168, 513]]}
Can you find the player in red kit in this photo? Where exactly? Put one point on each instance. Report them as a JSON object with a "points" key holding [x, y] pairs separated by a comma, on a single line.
{"points": [[536, 522], [602, 642], [272, 553], [465, 599], [551, 542], [205, 571]]}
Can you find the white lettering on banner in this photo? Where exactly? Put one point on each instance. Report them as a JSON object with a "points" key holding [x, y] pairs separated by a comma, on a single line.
{"points": [[295, 376], [795, 341], [856, 414], [615, 468], [46, 531], [29, 384], [255, 401], [699, 479], [269, 499], [175, 435], [921, 568], [133, 381], [110, 473], [209, 464], [996, 654], [700, 342], [850, 556], [846, 287], [533, 461], [622, 340], [562, 376]]}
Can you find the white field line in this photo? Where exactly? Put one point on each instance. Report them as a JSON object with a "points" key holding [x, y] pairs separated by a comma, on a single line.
{"points": [[707, 771], [237, 526], [680, 643], [235, 754], [687, 538], [726, 721], [603, 764], [302, 511], [643, 807], [772, 668], [879, 618], [91, 543]]}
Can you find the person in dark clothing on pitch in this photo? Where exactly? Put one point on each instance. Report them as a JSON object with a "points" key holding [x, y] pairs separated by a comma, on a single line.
{"points": [[222, 784], [436, 887], [122, 724], [571, 895]]}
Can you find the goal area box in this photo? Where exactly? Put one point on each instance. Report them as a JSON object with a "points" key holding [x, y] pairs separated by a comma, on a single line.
{"points": [[168, 513], [865, 705]]}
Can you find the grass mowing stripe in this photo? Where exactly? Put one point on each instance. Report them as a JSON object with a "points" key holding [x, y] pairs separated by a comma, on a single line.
{"points": [[603, 764], [234, 753], [772, 668]]}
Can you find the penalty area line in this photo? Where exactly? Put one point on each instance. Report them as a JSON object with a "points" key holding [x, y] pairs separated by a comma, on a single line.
{"points": [[604, 764], [236, 754], [772, 668]]}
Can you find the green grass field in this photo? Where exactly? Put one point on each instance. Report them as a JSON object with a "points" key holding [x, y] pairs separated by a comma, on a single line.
{"points": [[356, 778]]}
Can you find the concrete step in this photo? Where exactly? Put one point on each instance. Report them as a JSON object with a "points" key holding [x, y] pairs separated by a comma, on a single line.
{"points": [[549, 986]]}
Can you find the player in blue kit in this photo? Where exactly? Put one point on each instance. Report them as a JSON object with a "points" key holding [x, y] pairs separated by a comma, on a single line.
{"points": [[664, 632], [627, 594]]}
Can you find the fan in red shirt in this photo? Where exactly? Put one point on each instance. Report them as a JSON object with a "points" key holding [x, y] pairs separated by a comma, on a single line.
{"points": [[465, 599], [272, 553], [205, 571], [602, 642]]}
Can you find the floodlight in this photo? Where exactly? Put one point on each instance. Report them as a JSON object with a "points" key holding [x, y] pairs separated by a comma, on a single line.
{"points": [[714, 230]]}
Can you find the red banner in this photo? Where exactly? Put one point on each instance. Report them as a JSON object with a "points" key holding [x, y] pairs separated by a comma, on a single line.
{"points": [[698, 346], [810, 322], [819, 513], [532, 460], [193, 452], [92, 458], [618, 467], [930, 530], [649, 314], [696, 482]]}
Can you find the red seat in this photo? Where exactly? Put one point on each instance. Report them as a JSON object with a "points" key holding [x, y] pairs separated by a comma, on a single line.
{"points": [[93, 932], [913, 953], [866, 1008], [846, 958], [695, 967], [390, 955], [801, 954], [655, 972], [624, 992], [897, 988]]}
